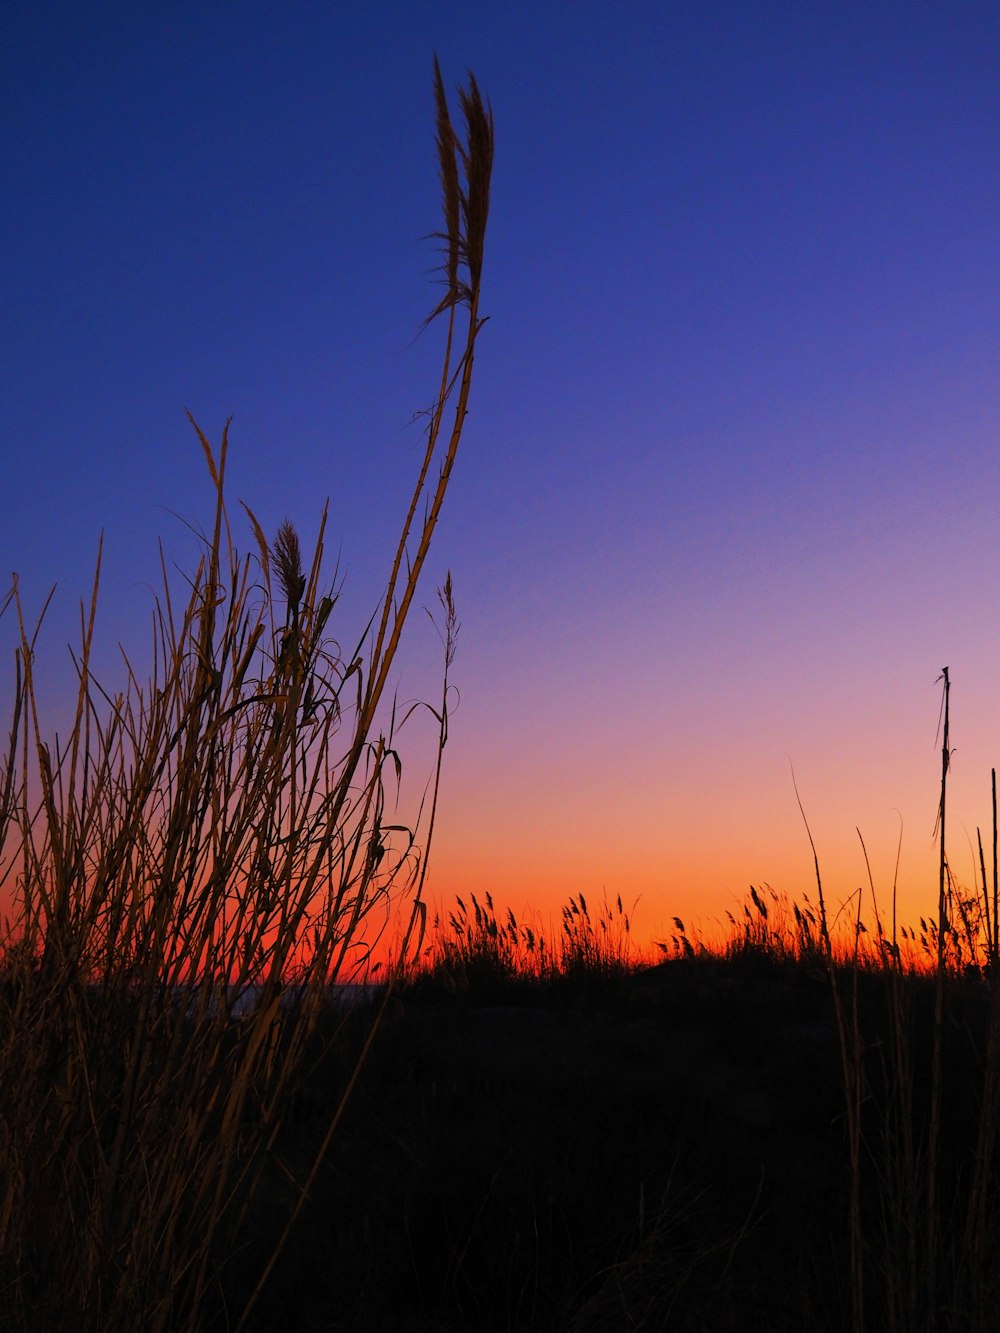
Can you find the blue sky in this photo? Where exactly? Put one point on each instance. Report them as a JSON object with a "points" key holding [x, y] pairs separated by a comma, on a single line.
{"points": [[729, 490]]}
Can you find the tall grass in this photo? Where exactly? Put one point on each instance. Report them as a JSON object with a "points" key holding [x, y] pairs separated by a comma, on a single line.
{"points": [[479, 948], [929, 1263], [192, 866]]}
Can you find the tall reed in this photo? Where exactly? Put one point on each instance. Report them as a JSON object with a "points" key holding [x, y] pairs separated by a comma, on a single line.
{"points": [[929, 1263], [193, 866]]}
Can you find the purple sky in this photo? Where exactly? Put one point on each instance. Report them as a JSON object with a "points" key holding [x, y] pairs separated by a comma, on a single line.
{"points": [[729, 492]]}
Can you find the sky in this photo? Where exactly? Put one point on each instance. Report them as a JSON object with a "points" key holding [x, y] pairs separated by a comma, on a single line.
{"points": [[728, 497]]}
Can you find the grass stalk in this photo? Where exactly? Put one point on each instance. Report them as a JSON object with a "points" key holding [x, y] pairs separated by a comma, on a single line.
{"points": [[934, 1115], [852, 1070]]}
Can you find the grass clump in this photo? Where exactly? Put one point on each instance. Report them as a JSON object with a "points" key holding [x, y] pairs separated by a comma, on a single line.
{"points": [[480, 949], [191, 869], [598, 947]]}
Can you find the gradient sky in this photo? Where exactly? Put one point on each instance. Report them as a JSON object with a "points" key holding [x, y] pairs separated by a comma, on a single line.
{"points": [[729, 492]]}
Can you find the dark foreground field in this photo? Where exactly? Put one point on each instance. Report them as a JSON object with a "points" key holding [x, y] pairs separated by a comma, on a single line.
{"points": [[662, 1150]]}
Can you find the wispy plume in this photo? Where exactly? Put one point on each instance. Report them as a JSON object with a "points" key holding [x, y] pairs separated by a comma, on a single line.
{"points": [[465, 206], [286, 553]]}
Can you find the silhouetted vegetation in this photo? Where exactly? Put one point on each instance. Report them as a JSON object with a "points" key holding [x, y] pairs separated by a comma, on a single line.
{"points": [[793, 1130], [734, 1139]]}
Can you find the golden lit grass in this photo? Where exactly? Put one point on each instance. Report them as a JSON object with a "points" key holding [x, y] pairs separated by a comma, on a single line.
{"points": [[215, 832]]}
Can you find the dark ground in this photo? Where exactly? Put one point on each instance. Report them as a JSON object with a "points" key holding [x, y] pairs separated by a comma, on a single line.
{"points": [[665, 1150]]}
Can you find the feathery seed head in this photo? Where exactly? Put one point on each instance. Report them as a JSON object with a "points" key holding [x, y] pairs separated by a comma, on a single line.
{"points": [[465, 207], [287, 556]]}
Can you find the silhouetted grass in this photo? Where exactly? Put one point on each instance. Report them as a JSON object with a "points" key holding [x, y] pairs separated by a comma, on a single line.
{"points": [[824, 1088], [795, 1129], [661, 1145]]}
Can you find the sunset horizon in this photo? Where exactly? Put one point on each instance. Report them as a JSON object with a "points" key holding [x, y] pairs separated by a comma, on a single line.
{"points": [[733, 524], [498, 820]]}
